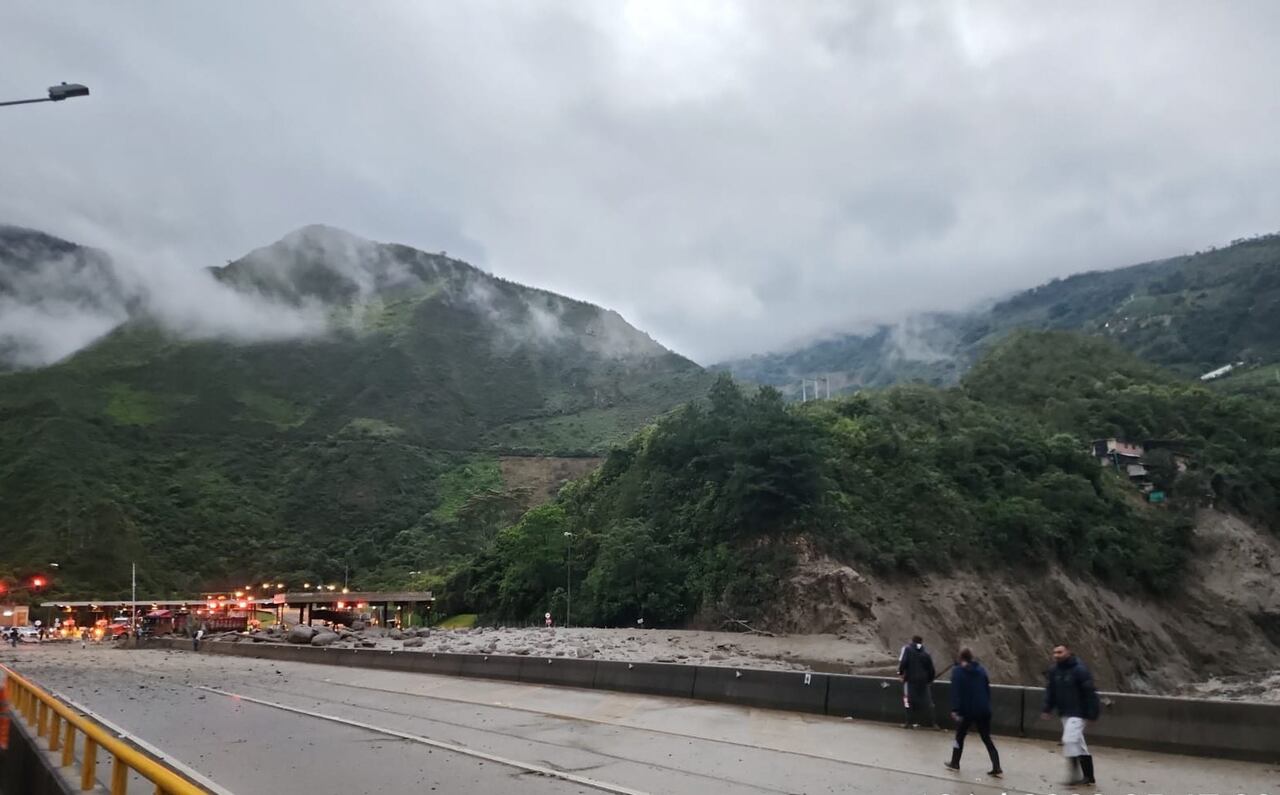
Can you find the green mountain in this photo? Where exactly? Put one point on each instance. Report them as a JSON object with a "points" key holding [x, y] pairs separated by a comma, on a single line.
{"points": [[367, 435], [1192, 314], [54, 297], [705, 515]]}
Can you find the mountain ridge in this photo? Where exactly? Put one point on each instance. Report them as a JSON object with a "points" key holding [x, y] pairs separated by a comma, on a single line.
{"points": [[1191, 313], [401, 379]]}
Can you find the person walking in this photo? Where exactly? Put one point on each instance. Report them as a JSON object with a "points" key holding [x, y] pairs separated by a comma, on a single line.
{"points": [[971, 708], [1070, 692], [196, 638], [915, 669]]}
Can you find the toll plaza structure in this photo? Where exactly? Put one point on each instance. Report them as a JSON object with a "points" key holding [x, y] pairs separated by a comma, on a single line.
{"points": [[216, 612], [375, 608]]}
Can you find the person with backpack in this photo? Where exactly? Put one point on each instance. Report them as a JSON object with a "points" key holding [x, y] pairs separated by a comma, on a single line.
{"points": [[1070, 692], [915, 669], [971, 708]]}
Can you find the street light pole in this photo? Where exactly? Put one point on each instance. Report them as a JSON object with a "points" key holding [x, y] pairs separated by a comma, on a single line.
{"points": [[56, 94], [568, 580]]}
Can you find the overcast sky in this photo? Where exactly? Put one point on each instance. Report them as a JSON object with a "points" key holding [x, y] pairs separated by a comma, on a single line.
{"points": [[732, 177]]}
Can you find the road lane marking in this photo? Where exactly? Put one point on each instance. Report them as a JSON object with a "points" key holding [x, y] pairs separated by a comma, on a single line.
{"points": [[681, 771], [993, 785], [417, 738], [168, 759]]}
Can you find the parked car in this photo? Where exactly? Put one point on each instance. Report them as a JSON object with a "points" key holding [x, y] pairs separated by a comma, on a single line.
{"points": [[28, 634]]}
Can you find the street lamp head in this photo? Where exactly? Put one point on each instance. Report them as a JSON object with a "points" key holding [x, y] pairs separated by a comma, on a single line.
{"points": [[67, 90], [567, 534]]}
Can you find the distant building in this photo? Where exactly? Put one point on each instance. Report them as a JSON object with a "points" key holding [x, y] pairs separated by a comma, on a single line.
{"points": [[1131, 458], [14, 616], [1221, 371], [1118, 450]]}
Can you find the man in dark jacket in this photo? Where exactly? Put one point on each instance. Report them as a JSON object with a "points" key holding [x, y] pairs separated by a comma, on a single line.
{"points": [[915, 669], [1070, 692], [971, 707]]}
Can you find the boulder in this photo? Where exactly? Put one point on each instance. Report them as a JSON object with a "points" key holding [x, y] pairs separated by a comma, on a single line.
{"points": [[413, 643], [522, 651], [584, 651], [357, 625], [395, 634], [301, 634], [324, 638], [368, 644]]}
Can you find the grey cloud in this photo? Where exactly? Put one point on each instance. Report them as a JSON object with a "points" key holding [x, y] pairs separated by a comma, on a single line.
{"points": [[730, 176]]}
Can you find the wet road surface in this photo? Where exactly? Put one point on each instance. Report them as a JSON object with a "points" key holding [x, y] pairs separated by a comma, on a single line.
{"points": [[258, 726]]}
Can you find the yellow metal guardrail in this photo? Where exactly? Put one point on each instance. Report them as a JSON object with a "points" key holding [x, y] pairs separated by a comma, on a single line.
{"points": [[62, 725]]}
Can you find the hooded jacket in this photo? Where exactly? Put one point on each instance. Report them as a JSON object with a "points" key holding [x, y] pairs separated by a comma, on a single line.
{"points": [[1069, 690], [915, 664], [971, 691]]}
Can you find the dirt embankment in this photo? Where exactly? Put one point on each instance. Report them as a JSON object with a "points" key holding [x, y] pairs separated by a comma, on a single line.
{"points": [[539, 478], [1222, 622], [1215, 636]]}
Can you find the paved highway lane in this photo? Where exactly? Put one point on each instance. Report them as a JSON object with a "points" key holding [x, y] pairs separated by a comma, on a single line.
{"points": [[257, 726]]}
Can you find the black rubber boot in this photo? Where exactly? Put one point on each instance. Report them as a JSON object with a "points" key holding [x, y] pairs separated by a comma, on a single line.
{"points": [[1086, 765], [954, 764]]}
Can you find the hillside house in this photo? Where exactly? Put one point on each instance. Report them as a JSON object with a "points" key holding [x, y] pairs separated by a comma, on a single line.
{"points": [[1119, 451], [1132, 459]]}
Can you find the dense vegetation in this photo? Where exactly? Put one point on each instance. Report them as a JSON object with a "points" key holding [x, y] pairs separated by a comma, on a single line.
{"points": [[371, 447], [702, 512], [1192, 314]]}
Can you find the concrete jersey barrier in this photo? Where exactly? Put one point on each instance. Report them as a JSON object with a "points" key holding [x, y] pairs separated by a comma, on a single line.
{"points": [[1199, 727]]}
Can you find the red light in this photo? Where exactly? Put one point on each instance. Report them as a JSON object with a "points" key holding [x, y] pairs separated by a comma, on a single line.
{"points": [[213, 605], [37, 582], [244, 604]]}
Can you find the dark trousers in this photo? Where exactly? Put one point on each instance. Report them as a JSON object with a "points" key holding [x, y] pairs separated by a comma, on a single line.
{"points": [[920, 703], [983, 725]]}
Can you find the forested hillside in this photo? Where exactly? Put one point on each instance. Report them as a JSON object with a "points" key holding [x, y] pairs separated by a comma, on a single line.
{"points": [[359, 444], [702, 514], [1191, 314]]}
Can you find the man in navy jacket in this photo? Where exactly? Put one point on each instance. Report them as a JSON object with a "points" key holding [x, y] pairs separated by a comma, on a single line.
{"points": [[1069, 691], [971, 708]]}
